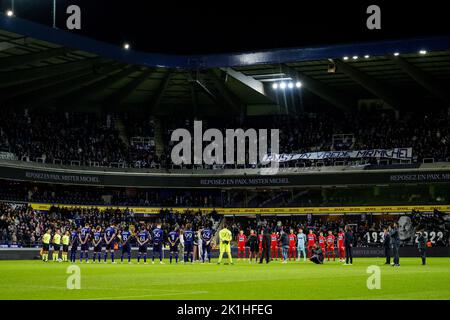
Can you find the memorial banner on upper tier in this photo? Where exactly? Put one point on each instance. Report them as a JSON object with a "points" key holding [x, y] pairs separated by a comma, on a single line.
{"points": [[395, 153]]}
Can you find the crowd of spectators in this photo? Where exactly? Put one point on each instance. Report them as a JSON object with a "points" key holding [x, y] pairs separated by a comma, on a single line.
{"points": [[92, 138], [435, 194]]}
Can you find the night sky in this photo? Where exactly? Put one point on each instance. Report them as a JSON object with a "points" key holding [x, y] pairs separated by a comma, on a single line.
{"points": [[191, 27]]}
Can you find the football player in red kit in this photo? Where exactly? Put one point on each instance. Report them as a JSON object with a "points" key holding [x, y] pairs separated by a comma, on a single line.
{"points": [[311, 242], [241, 240], [340, 244], [292, 245], [330, 246], [322, 243], [274, 245], [260, 238]]}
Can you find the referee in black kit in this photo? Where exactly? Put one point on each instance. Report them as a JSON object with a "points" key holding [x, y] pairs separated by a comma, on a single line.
{"points": [[348, 243]]}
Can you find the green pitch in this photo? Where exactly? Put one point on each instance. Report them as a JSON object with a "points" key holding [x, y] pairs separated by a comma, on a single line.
{"points": [[295, 280]]}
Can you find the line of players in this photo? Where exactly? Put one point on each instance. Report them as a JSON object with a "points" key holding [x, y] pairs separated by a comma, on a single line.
{"points": [[300, 244], [82, 239]]}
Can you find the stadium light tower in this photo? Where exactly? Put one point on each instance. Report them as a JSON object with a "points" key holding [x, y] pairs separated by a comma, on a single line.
{"points": [[9, 13], [126, 46]]}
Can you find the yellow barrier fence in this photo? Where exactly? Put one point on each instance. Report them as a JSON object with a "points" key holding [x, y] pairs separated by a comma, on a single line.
{"points": [[271, 211]]}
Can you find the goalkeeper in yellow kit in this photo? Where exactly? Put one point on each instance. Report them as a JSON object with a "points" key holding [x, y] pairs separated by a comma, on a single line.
{"points": [[225, 244]]}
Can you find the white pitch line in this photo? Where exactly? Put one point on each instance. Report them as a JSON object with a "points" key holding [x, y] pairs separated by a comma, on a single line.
{"points": [[149, 295]]}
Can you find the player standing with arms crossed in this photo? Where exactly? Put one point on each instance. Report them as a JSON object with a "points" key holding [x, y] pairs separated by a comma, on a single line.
{"points": [[301, 240], [241, 240]]}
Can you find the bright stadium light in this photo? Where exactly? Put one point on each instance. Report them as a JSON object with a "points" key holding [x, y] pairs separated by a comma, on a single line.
{"points": [[396, 54], [298, 84], [423, 51], [126, 46], [355, 57], [346, 58], [366, 56], [290, 85], [275, 86], [9, 13], [283, 85]]}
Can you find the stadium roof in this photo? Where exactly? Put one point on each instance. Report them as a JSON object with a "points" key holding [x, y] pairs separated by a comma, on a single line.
{"points": [[42, 66]]}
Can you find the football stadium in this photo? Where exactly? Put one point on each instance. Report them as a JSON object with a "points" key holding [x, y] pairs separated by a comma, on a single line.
{"points": [[300, 173]]}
